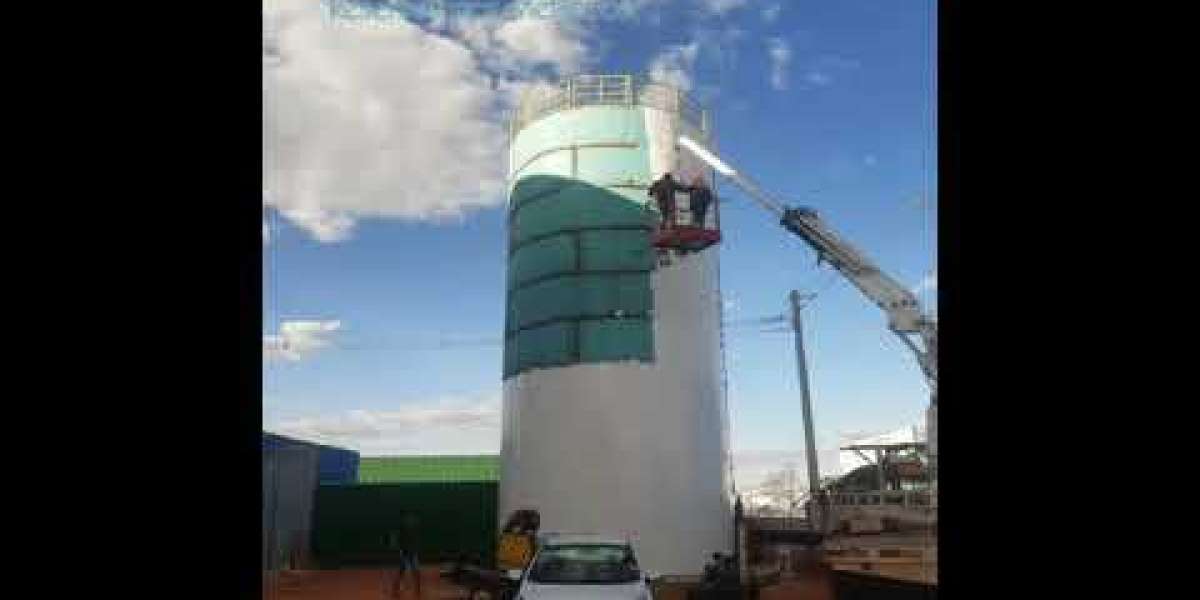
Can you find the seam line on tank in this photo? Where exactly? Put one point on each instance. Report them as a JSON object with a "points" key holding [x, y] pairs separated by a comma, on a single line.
{"points": [[516, 172], [538, 197], [514, 207], [574, 272], [640, 316], [513, 247]]}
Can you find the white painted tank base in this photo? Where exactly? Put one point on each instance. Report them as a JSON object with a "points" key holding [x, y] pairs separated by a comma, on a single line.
{"points": [[630, 448]]}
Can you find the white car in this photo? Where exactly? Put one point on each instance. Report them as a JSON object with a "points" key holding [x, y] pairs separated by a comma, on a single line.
{"points": [[583, 568]]}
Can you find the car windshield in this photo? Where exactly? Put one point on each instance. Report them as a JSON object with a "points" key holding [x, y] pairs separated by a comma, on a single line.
{"points": [[591, 564]]}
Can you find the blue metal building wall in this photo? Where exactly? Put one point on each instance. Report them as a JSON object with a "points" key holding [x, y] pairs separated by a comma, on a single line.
{"points": [[337, 466], [334, 465]]}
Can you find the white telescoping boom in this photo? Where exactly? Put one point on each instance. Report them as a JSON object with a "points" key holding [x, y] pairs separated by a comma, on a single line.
{"points": [[905, 317]]}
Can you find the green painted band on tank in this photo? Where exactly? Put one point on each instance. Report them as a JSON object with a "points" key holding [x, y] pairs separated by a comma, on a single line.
{"points": [[580, 259], [566, 343], [533, 195], [580, 319], [575, 273], [580, 250], [579, 205], [580, 294], [562, 232]]}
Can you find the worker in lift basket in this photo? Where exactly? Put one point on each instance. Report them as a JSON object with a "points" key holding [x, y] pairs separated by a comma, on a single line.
{"points": [[700, 197], [663, 191]]}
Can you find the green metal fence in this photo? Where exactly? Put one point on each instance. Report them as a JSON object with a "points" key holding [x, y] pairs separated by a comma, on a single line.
{"points": [[411, 469], [352, 523]]}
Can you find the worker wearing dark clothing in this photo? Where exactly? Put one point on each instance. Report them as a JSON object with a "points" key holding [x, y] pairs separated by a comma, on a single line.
{"points": [[403, 543], [700, 197], [663, 192]]}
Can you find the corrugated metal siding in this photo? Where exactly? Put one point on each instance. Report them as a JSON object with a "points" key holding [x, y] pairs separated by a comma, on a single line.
{"points": [[289, 486], [352, 522]]}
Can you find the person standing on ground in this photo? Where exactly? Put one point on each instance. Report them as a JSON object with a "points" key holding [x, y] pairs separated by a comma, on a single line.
{"points": [[663, 192], [404, 542]]}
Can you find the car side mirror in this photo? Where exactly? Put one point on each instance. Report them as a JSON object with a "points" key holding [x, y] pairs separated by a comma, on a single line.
{"points": [[651, 576], [513, 574]]}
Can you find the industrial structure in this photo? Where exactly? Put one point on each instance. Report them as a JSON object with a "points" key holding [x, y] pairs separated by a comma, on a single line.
{"points": [[292, 471], [614, 413], [883, 509]]}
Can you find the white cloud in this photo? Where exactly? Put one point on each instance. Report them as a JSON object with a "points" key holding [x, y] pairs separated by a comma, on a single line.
{"points": [[578, 10], [297, 340], [541, 41], [391, 122], [516, 47], [780, 55], [441, 426], [720, 7], [771, 12], [674, 65]]}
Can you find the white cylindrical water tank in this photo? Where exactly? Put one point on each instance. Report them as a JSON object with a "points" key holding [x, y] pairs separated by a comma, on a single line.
{"points": [[614, 418]]}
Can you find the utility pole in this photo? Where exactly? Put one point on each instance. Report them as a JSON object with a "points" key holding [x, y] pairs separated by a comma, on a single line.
{"points": [[810, 442]]}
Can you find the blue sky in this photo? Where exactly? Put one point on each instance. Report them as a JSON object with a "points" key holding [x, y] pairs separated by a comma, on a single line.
{"points": [[841, 119]]}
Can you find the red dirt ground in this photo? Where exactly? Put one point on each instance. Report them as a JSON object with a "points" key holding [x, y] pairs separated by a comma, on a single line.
{"points": [[367, 584], [358, 584]]}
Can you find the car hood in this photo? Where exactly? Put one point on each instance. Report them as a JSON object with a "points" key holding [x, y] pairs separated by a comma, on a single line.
{"points": [[616, 591]]}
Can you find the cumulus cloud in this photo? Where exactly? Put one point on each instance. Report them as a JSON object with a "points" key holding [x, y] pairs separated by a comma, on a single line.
{"points": [[391, 122], [297, 340], [455, 425], [780, 54], [540, 41], [674, 65], [517, 47], [581, 10]]}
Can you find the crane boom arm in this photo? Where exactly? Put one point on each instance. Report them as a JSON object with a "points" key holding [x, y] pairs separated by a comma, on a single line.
{"points": [[905, 317]]}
